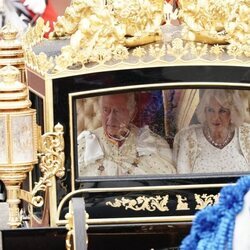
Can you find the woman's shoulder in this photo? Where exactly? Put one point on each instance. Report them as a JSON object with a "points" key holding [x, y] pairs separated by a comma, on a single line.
{"points": [[188, 134], [245, 126], [244, 130], [244, 140], [190, 129]]}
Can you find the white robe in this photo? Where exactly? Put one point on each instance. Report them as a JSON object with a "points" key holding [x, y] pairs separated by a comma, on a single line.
{"points": [[194, 154], [143, 152]]}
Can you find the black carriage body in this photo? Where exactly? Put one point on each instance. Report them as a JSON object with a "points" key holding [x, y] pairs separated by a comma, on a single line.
{"points": [[123, 206]]}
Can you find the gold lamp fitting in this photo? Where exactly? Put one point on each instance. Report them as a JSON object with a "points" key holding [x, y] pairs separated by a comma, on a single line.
{"points": [[18, 138], [8, 32]]}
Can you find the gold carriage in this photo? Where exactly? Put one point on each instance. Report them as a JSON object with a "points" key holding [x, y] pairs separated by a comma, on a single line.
{"points": [[167, 58]]}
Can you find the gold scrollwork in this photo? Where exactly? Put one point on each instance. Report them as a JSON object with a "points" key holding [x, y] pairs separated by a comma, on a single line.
{"points": [[142, 203], [205, 200], [51, 161]]}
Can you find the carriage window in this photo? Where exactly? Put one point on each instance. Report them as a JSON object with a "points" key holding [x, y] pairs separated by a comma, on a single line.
{"points": [[163, 132]]}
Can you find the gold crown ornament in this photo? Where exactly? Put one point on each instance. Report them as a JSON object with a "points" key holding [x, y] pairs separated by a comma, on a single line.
{"points": [[97, 35], [8, 32]]}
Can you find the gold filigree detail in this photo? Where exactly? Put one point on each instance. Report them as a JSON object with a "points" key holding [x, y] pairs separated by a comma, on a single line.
{"points": [[157, 51], [182, 203], [234, 50], [205, 200], [198, 49], [217, 50], [44, 63], [142, 203], [246, 50], [139, 52], [101, 56], [40, 63], [35, 34], [51, 161], [120, 53], [177, 48]]}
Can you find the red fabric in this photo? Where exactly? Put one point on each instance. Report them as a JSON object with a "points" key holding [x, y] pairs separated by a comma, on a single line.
{"points": [[49, 14]]}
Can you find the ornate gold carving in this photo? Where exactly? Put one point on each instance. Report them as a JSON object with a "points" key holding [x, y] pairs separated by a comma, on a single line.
{"points": [[177, 48], [198, 49], [98, 34], [140, 19], [142, 203], [216, 22], [139, 52], [182, 203], [40, 63], [157, 51], [35, 34], [217, 50], [205, 200], [51, 161]]}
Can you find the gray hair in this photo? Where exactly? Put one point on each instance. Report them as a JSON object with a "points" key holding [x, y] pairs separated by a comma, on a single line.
{"points": [[229, 99]]}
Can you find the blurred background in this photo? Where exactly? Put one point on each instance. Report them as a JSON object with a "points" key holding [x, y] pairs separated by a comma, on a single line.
{"points": [[60, 5], [21, 13]]}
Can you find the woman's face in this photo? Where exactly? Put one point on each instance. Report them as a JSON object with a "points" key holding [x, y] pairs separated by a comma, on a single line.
{"points": [[217, 117]]}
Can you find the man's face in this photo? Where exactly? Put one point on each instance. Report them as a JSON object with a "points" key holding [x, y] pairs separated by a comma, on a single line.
{"points": [[115, 114]]}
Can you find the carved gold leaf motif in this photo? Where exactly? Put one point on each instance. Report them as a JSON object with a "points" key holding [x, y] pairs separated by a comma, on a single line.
{"points": [[99, 33], [51, 161], [205, 200], [142, 203]]}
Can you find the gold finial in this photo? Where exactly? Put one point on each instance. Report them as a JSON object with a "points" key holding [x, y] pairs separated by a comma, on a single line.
{"points": [[13, 93]]}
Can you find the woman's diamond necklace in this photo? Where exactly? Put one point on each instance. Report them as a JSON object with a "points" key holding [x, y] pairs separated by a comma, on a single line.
{"points": [[216, 144]]}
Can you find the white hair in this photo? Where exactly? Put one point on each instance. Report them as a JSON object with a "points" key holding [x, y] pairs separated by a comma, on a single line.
{"points": [[229, 99], [131, 101]]}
